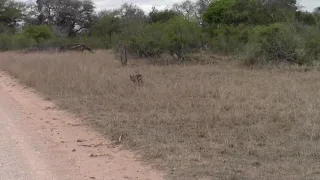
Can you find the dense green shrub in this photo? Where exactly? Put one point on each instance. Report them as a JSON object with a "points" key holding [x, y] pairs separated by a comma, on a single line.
{"points": [[104, 28], [230, 39], [181, 37], [177, 37], [95, 42], [54, 42], [5, 42], [275, 43], [311, 37], [37, 32], [21, 42], [162, 16], [15, 42], [149, 42]]}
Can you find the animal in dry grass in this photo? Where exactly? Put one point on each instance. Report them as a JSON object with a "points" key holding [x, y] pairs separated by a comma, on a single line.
{"points": [[136, 78]]}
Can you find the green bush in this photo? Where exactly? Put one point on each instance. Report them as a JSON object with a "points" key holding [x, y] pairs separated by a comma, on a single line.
{"points": [[311, 37], [57, 42], [149, 43], [176, 36], [229, 39], [95, 42], [54, 42], [15, 42], [21, 42], [37, 32], [275, 43], [5, 42], [162, 16], [181, 37]]}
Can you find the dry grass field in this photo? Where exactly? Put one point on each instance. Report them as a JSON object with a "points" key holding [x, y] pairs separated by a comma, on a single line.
{"points": [[219, 121]]}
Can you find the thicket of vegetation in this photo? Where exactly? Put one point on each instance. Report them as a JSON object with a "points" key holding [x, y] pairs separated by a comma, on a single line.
{"points": [[260, 31]]}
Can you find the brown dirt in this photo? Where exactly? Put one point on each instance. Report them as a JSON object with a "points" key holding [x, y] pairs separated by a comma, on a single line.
{"points": [[219, 121], [56, 145]]}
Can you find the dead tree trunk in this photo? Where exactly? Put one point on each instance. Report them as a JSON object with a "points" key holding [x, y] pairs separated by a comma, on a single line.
{"points": [[123, 55]]}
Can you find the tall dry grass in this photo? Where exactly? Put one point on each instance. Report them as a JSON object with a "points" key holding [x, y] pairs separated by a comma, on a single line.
{"points": [[217, 121]]}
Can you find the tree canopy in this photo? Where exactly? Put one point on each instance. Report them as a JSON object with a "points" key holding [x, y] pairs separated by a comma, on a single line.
{"points": [[11, 13]]}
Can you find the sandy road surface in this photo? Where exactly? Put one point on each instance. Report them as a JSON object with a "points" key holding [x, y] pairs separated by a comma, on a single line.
{"points": [[40, 142]]}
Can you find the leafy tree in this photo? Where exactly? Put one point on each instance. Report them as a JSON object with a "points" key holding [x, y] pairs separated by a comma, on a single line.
{"points": [[316, 13], [177, 36], [316, 10], [230, 39], [162, 16], [149, 43], [218, 11], [192, 11], [68, 16], [130, 12], [11, 13], [202, 6], [306, 18], [182, 37], [284, 4], [107, 24], [132, 20], [275, 43], [234, 12], [37, 32], [187, 9]]}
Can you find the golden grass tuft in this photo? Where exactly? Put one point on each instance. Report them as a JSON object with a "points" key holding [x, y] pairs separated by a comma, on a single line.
{"points": [[217, 121]]}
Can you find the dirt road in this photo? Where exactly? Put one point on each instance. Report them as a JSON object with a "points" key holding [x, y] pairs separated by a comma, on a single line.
{"points": [[39, 141]]}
